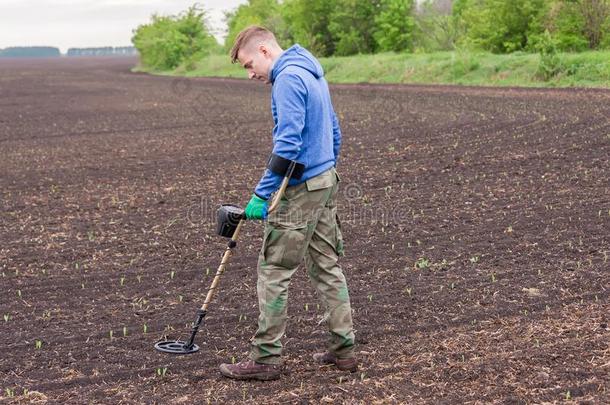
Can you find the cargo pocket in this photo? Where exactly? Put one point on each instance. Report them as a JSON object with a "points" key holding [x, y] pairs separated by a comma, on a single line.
{"points": [[285, 245], [339, 248]]}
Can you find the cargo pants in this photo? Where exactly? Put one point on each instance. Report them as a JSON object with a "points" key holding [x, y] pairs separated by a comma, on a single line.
{"points": [[305, 226]]}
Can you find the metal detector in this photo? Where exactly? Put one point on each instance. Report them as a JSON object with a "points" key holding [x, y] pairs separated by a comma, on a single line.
{"points": [[230, 220]]}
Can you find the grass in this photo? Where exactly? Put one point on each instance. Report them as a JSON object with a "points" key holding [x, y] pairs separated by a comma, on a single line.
{"points": [[585, 69]]}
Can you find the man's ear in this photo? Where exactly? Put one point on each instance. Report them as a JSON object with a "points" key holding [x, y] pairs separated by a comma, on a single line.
{"points": [[263, 49]]}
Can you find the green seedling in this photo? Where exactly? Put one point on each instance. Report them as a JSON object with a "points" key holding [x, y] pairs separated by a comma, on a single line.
{"points": [[9, 393], [207, 271], [422, 263], [19, 293], [408, 290], [180, 297], [568, 395], [82, 286], [38, 344], [91, 236], [306, 307], [145, 328], [122, 281], [139, 278], [110, 334], [493, 277], [370, 297], [161, 371], [7, 317], [233, 360], [124, 330], [171, 275], [474, 259]]}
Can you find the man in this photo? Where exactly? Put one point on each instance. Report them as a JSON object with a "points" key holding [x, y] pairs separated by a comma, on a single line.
{"points": [[305, 226]]}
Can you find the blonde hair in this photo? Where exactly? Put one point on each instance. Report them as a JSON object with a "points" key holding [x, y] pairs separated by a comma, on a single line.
{"points": [[248, 34]]}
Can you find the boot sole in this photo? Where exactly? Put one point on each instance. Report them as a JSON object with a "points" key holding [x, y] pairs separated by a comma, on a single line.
{"points": [[259, 377]]}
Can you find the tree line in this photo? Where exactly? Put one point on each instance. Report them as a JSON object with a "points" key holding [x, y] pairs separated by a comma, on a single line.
{"points": [[348, 27]]}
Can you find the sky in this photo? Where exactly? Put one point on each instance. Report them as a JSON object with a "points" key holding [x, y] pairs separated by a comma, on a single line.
{"points": [[92, 23]]}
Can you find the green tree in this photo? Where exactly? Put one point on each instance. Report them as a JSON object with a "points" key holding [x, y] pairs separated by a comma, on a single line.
{"points": [[595, 15], [352, 24], [565, 25], [265, 13], [438, 26], [168, 41], [501, 26], [394, 25], [308, 24]]}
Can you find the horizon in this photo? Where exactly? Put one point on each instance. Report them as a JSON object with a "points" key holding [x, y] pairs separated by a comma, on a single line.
{"points": [[66, 24]]}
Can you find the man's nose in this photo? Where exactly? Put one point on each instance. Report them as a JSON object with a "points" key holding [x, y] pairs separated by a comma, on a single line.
{"points": [[251, 75]]}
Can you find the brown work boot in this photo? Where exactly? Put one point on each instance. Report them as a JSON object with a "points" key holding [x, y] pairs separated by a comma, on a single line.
{"points": [[250, 370], [348, 364]]}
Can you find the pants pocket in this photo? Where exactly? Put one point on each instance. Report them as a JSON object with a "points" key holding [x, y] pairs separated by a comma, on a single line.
{"points": [[339, 247], [285, 245]]}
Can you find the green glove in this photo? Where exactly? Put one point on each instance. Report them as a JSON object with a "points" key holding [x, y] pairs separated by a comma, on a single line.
{"points": [[256, 208]]}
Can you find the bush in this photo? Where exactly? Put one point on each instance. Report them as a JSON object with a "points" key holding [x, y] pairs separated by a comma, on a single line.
{"points": [[550, 63], [169, 41]]}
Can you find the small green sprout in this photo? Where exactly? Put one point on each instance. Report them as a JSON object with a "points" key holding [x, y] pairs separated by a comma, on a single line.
{"points": [[145, 328], [38, 344], [422, 263]]}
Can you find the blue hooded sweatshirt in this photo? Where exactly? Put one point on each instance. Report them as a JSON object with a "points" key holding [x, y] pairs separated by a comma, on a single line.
{"points": [[306, 126]]}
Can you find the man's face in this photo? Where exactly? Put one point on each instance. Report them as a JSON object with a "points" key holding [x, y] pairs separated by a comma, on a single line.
{"points": [[257, 60]]}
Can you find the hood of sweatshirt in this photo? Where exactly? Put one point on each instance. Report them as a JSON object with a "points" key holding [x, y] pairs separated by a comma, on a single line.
{"points": [[296, 55]]}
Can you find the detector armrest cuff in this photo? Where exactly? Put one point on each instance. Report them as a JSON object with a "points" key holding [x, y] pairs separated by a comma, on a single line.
{"points": [[282, 166]]}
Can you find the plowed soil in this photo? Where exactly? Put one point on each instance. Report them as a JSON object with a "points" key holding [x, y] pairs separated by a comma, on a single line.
{"points": [[476, 223]]}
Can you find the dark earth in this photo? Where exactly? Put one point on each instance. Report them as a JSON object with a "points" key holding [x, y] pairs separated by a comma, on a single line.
{"points": [[476, 223]]}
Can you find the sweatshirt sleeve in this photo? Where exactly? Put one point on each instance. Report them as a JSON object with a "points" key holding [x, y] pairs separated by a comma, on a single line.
{"points": [[290, 96], [336, 137]]}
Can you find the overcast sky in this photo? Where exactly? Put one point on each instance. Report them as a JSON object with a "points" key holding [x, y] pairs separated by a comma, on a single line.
{"points": [[90, 23]]}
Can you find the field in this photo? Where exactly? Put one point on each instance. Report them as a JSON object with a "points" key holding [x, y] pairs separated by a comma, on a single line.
{"points": [[476, 222]]}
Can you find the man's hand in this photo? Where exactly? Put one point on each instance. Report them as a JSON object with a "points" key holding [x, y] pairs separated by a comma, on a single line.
{"points": [[256, 208]]}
